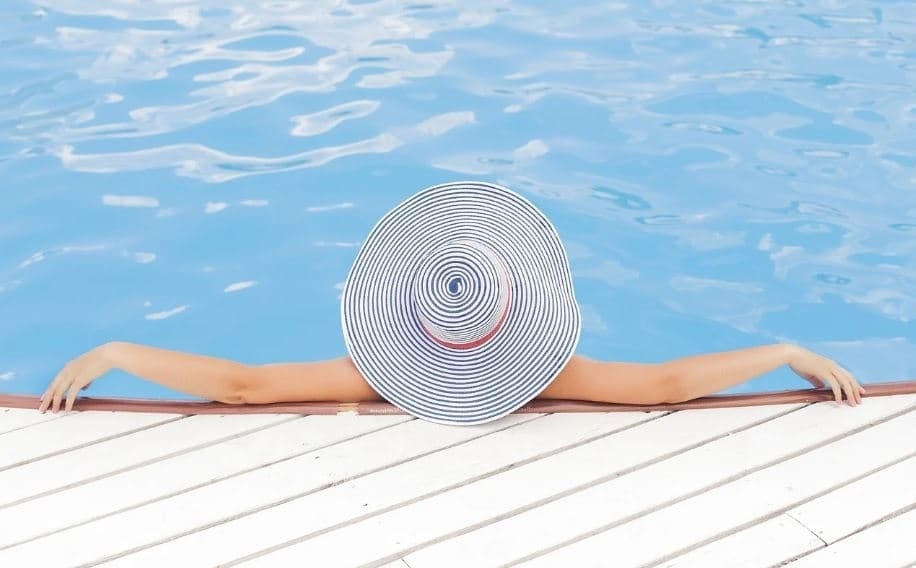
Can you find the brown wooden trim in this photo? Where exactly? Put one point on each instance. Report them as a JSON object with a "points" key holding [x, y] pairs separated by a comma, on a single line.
{"points": [[539, 405]]}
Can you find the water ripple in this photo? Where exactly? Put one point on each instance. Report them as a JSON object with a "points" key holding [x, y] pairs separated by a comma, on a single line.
{"points": [[204, 163], [327, 119]]}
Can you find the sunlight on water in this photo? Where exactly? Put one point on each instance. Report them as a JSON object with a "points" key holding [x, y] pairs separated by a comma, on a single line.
{"points": [[197, 176]]}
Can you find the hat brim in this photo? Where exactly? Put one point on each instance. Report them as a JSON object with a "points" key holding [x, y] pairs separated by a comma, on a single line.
{"points": [[453, 386]]}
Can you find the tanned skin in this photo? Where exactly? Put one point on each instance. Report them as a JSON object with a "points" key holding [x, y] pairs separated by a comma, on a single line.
{"points": [[231, 382]]}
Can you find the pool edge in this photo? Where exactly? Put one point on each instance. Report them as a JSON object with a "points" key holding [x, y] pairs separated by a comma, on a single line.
{"points": [[377, 407]]}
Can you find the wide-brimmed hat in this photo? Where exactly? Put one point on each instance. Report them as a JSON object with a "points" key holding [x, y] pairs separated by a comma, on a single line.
{"points": [[459, 307]]}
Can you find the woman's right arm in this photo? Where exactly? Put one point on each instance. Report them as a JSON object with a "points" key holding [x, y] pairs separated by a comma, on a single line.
{"points": [[210, 378]]}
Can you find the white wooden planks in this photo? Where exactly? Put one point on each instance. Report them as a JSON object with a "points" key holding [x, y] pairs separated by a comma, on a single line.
{"points": [[849, 509], [125, 452], [411, 522], [765, 493], [384, 489], [74, 430], [258, 487], [134, 487], [570, 517], [391, 534], [813, 524], [766, 544], [15, 418], [890, 544]]}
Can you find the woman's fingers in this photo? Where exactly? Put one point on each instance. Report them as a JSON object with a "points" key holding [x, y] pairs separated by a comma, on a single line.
{"points": [[45, 400], [860, 390], [58, 396], [854, 391], [854, 388], [61, 385], [852, 377], [835, 386], [76, 375], [847, 386], [48, 396], [57, 387], [71, 397], [820, 370]]}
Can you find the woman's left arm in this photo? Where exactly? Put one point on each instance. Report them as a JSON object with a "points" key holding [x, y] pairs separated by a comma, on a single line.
{"points": [[687, 378]]}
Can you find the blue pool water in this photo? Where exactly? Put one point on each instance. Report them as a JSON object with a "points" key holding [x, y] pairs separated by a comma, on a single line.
{"points": [[199, 175]]}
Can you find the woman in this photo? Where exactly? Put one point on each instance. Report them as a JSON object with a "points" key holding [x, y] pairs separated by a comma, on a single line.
{"points": [[459, 309]]}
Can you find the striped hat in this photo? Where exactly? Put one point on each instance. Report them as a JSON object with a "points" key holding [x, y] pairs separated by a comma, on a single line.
{"points": [[459, 308]]}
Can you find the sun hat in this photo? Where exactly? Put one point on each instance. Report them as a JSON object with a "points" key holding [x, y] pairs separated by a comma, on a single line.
{"points": [[459, 308]]}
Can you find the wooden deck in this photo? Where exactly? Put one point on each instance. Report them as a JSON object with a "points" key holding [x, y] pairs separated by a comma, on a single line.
{"points": [[826, 485]]}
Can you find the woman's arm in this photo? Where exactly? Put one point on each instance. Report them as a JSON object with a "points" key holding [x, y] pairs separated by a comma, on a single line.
{"points": [[210, 377], [339, 380], [688, 378]]}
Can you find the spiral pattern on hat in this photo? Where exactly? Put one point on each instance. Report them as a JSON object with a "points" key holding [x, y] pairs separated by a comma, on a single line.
{"points": [[461, 294], [440, 272]]}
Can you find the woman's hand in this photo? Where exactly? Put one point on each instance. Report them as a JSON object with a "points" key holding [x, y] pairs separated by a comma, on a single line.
{"points": [[76, 376], [820, 371]]}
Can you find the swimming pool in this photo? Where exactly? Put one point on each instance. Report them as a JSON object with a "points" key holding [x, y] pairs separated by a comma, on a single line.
{"points": [[199, 177]]}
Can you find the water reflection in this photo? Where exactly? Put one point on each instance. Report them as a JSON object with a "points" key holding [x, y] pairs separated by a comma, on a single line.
{"points": [[207, 164], [237, 286], [332, 207], [325, 120], [166, 313], [728, 174], [129, 201]]}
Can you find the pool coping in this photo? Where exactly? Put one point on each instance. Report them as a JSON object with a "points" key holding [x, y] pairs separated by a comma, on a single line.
{"points": [[377, 407]]}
